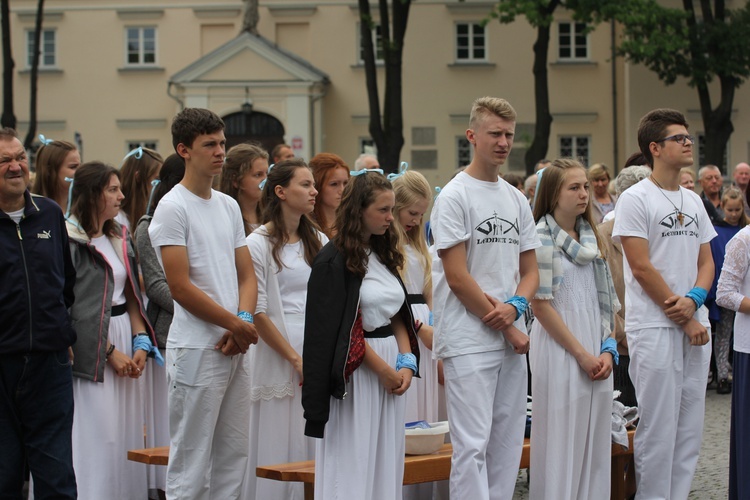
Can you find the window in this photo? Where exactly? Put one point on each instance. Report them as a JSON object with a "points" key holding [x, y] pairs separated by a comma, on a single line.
{"points": [[576, 146], [141, 46], [463, 151], [573, 41], [470, 42], [48, 46], [367, 146], [141, 144], [377, 39]]}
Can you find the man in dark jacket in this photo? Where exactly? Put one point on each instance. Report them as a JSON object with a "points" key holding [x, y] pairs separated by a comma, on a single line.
{"points": [[36, 382]]}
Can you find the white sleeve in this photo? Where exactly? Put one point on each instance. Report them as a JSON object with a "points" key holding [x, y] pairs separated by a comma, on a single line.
{"points": [[238, 225], [631, 217], [449, 226], [257, 246], [169, 225], [733, 273]]}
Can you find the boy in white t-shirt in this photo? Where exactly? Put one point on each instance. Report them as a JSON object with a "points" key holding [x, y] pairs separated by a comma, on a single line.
{"points": [[199, 238], [485, 239], [668, 269]]}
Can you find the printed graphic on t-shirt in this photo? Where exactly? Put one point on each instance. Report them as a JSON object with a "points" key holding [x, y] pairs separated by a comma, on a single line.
{"points": [[496, 229], [680, 224]]}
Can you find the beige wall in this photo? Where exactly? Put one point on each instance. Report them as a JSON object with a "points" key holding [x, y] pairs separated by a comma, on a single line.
{"points": [[92, 93]]}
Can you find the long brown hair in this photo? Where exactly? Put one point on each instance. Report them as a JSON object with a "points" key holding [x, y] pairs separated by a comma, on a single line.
{"points": [[323, 165], [90, 181], [281, 175], [359, 194], [49, 159], [550, 186], [135, 173], [239, 161]]}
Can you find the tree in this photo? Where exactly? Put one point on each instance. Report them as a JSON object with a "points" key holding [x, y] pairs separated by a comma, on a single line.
{"points": [[9, 117], [31, 133], [387, 130], [701, 46]]}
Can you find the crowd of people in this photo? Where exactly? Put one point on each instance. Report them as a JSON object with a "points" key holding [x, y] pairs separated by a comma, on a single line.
{"points": [[296, 310]]}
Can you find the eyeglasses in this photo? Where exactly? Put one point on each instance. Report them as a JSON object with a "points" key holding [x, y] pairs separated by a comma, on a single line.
{"points": [[679, 139]]}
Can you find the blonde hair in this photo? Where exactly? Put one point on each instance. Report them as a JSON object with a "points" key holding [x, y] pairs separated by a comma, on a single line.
{"points": [[733, 193], [550, 186], [688, 170], [485, 106], [410, 188], [597, 171]]}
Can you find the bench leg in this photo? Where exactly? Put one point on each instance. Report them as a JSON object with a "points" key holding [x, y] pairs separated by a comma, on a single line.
{"points": [[619, 463], [309, 491]]}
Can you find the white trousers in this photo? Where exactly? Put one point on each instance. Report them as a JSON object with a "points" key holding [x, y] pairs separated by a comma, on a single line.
{"points": [[486, 400], [209, 398], [670, 379]]}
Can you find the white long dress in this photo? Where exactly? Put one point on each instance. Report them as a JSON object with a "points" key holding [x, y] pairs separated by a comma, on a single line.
{"points": [[571, 415], [277, 425], [108, 420]]}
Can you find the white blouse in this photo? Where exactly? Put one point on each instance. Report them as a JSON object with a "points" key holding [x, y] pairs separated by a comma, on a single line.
{"points": [[734, 285], [381, 295]]}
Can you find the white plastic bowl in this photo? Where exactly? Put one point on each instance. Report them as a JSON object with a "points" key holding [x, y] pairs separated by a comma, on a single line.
{"points": [[426, 441]]}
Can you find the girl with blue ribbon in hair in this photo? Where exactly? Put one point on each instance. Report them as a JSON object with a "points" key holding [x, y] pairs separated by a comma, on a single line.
{"points": [[245, 169], [55, 162], [139, 169], [114, 340], [573, 346]]}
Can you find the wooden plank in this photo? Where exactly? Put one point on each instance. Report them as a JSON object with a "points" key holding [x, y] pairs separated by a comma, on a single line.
{"points": [[151, 456]]}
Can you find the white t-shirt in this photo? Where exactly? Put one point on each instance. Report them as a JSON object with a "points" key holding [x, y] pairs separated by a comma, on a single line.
{"points": [[647, 212], [16, 216], [211, 230], [380, 295], [494, 221], [293, 278], [104, 245]]}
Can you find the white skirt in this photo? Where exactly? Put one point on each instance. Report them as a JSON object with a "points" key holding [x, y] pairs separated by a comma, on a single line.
{"points": [[156, 415], [422, 396], [277, 432], [362, 453], [108, 421]]}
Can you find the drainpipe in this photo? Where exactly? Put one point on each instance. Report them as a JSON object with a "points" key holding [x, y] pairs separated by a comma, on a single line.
{"points": [[615, 138], [169, 93]]}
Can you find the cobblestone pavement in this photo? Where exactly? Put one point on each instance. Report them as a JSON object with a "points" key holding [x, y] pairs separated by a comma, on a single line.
{"points": [[712, 474]]}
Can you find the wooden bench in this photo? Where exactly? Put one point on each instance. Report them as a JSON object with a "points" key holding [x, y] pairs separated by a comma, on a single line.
{"points": [[417, 468]]}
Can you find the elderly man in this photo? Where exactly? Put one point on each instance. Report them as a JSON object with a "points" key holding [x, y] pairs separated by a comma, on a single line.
{"points": [[711, 181], [366, 161], [36, 379], [529, 187], [741, 180]]}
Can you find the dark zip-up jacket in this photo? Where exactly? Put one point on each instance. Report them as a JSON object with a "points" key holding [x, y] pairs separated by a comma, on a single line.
{"points": [[93, 308], [331, 310], [37, 279]]}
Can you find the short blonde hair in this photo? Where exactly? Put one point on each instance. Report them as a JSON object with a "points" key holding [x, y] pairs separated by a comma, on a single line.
{"points": [[688, 170], [485, 106], [597, 171]]}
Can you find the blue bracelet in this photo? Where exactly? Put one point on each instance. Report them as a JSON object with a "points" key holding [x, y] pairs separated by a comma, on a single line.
{"points": [[698, 295], [431, 320], [406, 360], [520, 303], [610, 346], [245, 316], [143, 342]]}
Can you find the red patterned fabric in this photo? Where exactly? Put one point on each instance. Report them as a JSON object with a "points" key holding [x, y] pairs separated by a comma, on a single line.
{"points": [[356, 347]]}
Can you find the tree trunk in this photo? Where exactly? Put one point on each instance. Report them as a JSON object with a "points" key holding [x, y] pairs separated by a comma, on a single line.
{"points": [[31, 133], [717, 125], [9, 117], [542, 127]]}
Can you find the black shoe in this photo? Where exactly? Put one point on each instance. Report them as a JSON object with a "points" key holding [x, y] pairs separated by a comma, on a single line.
{"points": [[724, 387]]}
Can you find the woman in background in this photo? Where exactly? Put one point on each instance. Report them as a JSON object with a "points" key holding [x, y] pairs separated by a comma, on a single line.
{"points": [[55, 161], [245, 167], [331, 175], [602, 201], [139, 169]]}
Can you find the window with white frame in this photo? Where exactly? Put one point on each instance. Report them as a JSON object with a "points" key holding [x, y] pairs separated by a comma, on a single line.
{"points": [[141, 46], [141, 144], [573, 41], [463, 151], [471, 42], [47, 46], [367, 146], [377, 40], [576, 146]]}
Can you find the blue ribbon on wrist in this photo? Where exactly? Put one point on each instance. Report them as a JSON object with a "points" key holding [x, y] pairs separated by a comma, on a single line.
{"points": [[431, 320], [143, 342], [698, 295], [406, 360], [245, 316], [520, 303], [610, 346]]}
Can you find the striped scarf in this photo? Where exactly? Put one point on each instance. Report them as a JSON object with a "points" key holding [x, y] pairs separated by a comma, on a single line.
{"points": [[555, 241]]}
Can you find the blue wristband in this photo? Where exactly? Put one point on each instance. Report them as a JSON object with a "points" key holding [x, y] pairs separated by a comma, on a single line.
{"points": [[698, 295], [430, 322], [245, 316], [143, 342], [610, 346], [406, 360], [520, 303]]}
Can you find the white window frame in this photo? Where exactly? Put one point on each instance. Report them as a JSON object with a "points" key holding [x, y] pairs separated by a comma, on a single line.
{"points": [[147, 143], [141, 49], [469, 44], [571, 42], [377, 40], [463, 151], [44, 52], [575, 147], [367, 146]]}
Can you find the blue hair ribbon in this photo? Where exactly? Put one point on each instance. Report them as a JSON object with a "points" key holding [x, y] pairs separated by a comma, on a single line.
{"points": [[263, 182], [437, 192], [154, 183], [44, 140], [137, 152], [70, 196], [401, 171], [538, 181], [355, 173]]}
